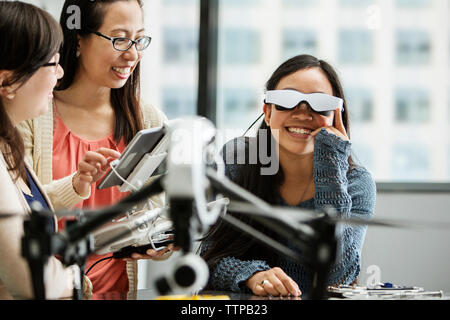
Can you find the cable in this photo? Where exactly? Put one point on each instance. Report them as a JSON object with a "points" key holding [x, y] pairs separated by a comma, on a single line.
{"points": [[253, 124], [121, 178], [97, 262], [151, 204]]}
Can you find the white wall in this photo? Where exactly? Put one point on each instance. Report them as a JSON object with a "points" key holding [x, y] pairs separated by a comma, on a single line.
{"points": [[419, 257]]}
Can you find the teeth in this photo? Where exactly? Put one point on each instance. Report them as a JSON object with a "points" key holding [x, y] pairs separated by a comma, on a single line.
{"points": [[299, 130], [122, 70]]}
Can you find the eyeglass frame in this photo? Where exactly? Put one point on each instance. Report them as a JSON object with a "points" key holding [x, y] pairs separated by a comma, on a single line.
{"points": [[53, 64], [114, 39]]}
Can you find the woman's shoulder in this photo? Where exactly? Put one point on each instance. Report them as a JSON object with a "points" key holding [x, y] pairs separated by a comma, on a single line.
{"points": [[152, 116], [238, 145], [236, 155]]}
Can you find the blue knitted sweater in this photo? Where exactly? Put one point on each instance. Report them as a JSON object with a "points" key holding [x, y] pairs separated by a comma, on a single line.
{"points": [[352, 192]]}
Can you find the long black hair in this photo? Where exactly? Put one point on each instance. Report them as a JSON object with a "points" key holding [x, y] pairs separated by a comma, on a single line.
{"points": [[223, 240], [126, 100], [29, 38]]}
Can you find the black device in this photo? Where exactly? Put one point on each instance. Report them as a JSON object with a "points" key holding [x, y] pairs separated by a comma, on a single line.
{"points": [[128, 251]]}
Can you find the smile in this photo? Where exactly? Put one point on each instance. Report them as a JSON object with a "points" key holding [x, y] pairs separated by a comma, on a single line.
{"points": [[296, 130], [122, 71]]}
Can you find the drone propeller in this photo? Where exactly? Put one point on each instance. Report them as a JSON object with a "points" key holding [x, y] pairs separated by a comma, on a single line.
{"points": [[304, 216]]}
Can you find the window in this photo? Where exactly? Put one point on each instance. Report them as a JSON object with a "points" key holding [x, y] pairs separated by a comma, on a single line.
{"points": [[412, 106], [179, 2], [179, 101], [298, 41], [356, 47], [240, 107], [385, 72], [300, 3], [360, 104], [413, 47], [242, 46], [413, 3], [240, 2], [356, 3], [409, 159], [362, 154], [180, 45]]}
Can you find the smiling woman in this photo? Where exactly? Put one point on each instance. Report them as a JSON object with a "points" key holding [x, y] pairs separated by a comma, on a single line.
{"points": [[316, 171], [96, 111]]}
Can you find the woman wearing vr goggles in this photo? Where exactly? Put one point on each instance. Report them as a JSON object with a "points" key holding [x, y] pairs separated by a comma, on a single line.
{"points": [[306, 115]]}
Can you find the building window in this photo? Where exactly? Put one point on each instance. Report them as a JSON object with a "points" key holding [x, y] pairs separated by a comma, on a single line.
{"points": [[448, 162], [356, 3], [240, 2], [180, 2], [360, 104], [413, 3], [413, 47], [412, 106], [356, 47], [179, 102], [242, 46], [362, 154], [298, 41], [180, 45], [240, 106], [300, 3], [410, 163]]}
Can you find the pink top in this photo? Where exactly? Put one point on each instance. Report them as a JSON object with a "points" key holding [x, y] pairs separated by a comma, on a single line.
{"points": [[68, 150]]}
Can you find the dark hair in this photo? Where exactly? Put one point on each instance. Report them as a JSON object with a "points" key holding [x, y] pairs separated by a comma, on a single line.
{"points": [[126, 100], [29, 38], [223, 240]]}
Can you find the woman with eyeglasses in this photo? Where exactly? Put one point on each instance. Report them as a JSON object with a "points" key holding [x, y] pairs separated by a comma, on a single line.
{"points": [[96, 111], [306, 135], [29, 42]]}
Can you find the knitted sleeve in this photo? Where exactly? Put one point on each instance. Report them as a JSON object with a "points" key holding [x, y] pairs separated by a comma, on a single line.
{"points": [[352, 194], [230, 273]]}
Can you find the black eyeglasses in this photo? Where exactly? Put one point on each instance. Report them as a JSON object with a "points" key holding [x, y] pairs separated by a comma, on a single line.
{"points": [[55, 64], [124, 44]]}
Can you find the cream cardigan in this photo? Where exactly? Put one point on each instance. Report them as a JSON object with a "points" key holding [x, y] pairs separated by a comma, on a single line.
{"points": [[15, 279], [38, 138]]}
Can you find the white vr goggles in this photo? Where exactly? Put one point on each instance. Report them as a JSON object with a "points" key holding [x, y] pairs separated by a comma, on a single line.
{"points": [[285, 100]]}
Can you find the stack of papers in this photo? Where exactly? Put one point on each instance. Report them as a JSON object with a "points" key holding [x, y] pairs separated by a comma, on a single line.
{"points": [[383, 291]]}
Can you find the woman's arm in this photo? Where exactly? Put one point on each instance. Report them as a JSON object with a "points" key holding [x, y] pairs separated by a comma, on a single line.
{"points": [[353, 195], [14, 270], [230, 273], [61, 192]]}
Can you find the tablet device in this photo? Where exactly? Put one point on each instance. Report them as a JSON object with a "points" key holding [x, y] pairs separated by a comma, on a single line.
{"points": [[143, 142]]}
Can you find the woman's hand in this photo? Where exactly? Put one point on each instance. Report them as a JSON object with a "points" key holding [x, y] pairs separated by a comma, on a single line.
{"points": [[153, 254], [338, 129], [92, 168], [273, 282]]}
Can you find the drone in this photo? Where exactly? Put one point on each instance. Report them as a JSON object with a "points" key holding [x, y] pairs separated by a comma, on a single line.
{"points": [[199, 195]]}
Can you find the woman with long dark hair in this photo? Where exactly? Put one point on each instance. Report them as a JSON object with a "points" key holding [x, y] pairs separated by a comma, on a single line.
{"points": [[95, 113], [306, 119], [29, 42]]}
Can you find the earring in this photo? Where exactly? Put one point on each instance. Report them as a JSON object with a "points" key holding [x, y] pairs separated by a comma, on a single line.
{"points": [[78, 54], [10, 94]]}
